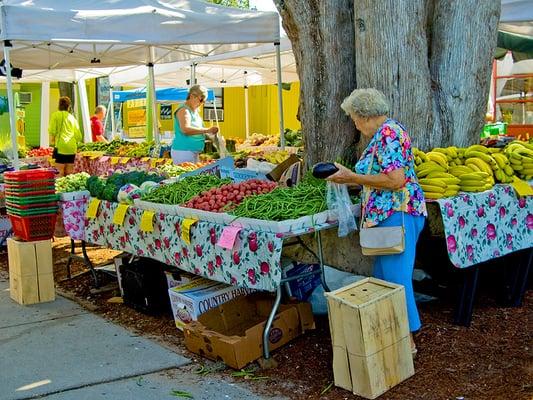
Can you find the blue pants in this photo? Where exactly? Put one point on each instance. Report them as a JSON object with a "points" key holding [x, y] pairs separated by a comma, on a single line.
{"points": [[398, 268]]}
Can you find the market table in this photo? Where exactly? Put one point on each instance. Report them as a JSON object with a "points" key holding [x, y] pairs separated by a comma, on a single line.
{"points": [[482, 226]]}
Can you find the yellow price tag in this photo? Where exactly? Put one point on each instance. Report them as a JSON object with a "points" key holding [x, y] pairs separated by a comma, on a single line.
{"points": [[147, 221], [124, 160], [92, 209], [144, 159], [186, 229], [114, 160], [521, 187], [120, 214]]}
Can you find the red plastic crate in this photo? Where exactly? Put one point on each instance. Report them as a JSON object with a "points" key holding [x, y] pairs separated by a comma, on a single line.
{"points": [[30, 175], [39, 227]]}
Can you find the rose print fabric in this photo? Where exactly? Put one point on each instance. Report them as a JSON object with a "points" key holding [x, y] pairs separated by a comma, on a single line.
{"points": [[73, 214], [254, 262], [102, 166], [482, 226], [392, 151]]}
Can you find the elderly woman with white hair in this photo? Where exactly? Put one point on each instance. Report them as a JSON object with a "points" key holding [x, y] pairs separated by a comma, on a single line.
{"points": [[189, 131], [386, 170]]}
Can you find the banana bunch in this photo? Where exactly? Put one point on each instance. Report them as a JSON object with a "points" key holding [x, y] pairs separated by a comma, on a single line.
{"points": [[476, 182], [490, 160], [520, 157], [437, 185], [426, 163]]}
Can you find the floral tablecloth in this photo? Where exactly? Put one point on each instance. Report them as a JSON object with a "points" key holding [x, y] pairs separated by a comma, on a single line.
{"points": [[254, 261], [482, 226], [106, 165], [73, 215]]}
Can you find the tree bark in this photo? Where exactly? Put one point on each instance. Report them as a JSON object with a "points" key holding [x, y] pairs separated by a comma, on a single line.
{"points": [[431, 58], [67, 89], [322, 37]]}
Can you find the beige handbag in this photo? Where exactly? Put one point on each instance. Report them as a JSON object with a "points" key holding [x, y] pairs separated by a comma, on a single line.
{"points": [[379, 241]]}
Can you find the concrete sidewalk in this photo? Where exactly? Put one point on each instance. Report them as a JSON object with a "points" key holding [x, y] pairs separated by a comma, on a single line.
{"points": [[59, 351]]}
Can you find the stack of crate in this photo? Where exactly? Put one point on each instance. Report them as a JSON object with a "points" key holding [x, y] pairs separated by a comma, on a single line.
{"points": [[31, 203]]}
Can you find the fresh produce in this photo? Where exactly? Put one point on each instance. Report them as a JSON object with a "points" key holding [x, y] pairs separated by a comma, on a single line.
{"points": [[439, 184], [520, 157], [128, 193], [293, 138], [284, 203], [324, 169], [41, 152], [476, 182], [108, 189], [108, 148], [72, 183], [172, 170], [227, 197], [182, 191], [133, 149], [276, 157]]}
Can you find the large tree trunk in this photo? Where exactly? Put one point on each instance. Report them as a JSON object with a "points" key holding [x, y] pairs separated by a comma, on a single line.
{"points": [[322, 36], [431, 58], [67, 89]]}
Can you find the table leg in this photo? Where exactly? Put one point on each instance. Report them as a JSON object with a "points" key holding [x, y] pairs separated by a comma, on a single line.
{"points": [[89, 264], [321, 262], [268, 325], [70, 258], [464, 308], [85, 259], [518, 281]]}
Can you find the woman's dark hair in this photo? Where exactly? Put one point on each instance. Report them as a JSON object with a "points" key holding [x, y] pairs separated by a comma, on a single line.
{"points": [[64, 103]]}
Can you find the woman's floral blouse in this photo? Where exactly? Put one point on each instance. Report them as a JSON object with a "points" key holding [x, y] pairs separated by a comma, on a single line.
{"points": [[392, 151]]}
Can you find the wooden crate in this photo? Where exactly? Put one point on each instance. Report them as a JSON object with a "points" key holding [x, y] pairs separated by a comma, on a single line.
{"points": [[370, 337], [31, 278]]}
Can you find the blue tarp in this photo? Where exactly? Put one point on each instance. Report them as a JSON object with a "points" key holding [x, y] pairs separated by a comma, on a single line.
{"points": [[162, 95]]}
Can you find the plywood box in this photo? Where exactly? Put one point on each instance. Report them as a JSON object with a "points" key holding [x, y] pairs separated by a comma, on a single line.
{"points": [[370, 337], [31, 278]]}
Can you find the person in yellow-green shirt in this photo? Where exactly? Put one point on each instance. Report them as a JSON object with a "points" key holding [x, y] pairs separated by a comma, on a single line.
{"points": [[65, 135]]}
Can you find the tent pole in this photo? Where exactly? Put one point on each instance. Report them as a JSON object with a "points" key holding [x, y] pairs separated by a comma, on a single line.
{"points": [[45, 113], [11, 103], [280, 96], [111, 113], [151, 81], [246, 110], [193, 74], [85, 115]]}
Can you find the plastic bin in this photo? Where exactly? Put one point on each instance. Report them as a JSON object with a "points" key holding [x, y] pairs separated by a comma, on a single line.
{"points": [[31, 228]]}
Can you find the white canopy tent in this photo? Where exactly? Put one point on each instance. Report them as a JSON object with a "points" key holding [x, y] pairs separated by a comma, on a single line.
{"points": [[517, 16], [47, 34]]}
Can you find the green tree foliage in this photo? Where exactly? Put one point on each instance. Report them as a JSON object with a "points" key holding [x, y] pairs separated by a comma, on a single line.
{"points": [[245, 4]]}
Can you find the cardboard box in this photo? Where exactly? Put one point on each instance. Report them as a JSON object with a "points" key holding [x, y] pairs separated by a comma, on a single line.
{"points": [[31, 278], [178, 278], [370, 337], [233, 331], [198, 296]]}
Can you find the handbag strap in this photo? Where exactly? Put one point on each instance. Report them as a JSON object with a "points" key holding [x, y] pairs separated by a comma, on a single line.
{"points": [[366, 193]]}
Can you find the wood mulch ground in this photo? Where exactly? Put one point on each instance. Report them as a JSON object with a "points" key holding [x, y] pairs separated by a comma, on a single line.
{"points": [[492, 359]]}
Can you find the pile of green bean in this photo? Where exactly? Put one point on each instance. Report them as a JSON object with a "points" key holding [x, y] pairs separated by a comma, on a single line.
{"points": [[184, 190], [284, 203]]}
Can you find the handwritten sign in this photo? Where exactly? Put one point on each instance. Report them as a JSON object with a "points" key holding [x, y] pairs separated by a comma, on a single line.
{"points": [[124, 160], [115, 160], [92, 209], [120, 214], [228, 237], [186, 229]]}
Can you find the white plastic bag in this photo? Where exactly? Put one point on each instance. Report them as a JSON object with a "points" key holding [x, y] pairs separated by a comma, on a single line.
{"points": [[338, 200]]}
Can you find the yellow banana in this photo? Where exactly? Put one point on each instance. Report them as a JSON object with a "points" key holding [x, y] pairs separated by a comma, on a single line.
{"points": [[440, 150], [432, 182], [450, 193], [474, 175], [431, 195], [508, 170], [494, 150], [439, 158], [452, 151], [477, 147], [441, 175], [482, 165], [453, 187], [433, 189], [500, 159]]}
